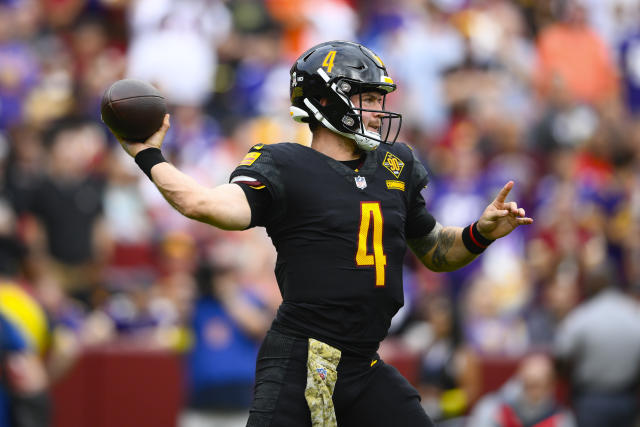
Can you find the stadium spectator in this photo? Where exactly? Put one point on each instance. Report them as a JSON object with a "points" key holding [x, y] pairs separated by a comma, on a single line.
{"points": [[528, 399], [170, 298], [177, 38], [449, 374], [573, 57], [494, 303], [24, 400], [599, 346], [156, 310], [130, 258], [557, 298], [68, 202], [24, 339], [630, 69], [23, 165], [228, 323], [422, 46], [20, 67]]}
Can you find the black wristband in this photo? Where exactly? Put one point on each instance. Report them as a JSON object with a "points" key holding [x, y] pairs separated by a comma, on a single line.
{"points": [[148, 158], [475, 242]]}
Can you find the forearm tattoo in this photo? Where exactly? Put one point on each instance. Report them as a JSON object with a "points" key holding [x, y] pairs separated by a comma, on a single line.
{"points": [[422, 245], [446, 238]]}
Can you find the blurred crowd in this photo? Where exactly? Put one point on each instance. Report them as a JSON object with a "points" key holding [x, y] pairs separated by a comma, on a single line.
{"points": [[546, 93]]}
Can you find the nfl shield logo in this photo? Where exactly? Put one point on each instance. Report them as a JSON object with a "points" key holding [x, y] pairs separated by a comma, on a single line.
{"points": [[361, 183], [322, 372]]}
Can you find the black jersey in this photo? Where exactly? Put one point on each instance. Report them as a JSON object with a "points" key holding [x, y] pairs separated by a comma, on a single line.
{"points": [[340, 235]]}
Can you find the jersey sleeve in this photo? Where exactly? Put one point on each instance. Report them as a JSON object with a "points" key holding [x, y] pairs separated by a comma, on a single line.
{"points": [[419, 174], [260, 202], [259, 178], [419, 221]]}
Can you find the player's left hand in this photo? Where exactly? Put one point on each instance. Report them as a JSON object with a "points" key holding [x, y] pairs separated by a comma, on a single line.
{"points": [[500, 217]]}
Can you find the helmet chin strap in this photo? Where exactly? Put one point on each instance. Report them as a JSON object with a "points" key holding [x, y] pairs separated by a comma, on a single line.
{"points": [[368, 141]]}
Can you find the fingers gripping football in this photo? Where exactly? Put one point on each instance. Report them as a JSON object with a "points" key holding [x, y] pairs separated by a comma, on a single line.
{"points": [[154, 141]]}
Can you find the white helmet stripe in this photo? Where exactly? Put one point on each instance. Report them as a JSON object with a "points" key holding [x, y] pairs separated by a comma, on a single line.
{"points": [[324, 75]]}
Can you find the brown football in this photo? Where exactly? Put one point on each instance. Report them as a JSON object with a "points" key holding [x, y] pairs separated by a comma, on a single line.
{"points": [[133, 109]]}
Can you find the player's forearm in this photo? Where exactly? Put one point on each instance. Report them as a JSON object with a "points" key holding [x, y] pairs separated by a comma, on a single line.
{"points": [[450, 252], [443, 250], [224, 206], [179, 189]]}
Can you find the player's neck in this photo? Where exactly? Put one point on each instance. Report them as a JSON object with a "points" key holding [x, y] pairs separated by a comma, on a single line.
{"points": [[335, 146]]}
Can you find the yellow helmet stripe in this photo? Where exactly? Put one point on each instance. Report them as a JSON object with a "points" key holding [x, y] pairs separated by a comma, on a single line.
{"points": [[379, 60]]}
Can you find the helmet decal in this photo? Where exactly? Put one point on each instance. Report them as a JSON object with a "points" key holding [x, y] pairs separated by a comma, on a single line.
{"points": [[328, 60]]}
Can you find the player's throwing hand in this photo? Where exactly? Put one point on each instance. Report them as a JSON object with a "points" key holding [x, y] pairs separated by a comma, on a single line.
{"points": [[154, 141]]}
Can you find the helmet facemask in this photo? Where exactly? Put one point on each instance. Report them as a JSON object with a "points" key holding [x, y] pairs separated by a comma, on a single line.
{"points": [[390, 123]]}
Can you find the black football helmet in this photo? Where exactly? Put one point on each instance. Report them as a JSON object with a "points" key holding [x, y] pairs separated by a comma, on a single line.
{"points": [[335, 71]]}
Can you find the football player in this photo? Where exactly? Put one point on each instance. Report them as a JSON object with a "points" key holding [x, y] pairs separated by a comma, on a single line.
{"points": [[341, 214]]}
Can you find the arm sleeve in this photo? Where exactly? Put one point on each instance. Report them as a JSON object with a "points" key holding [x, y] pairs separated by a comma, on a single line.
{"points": [[419, 221]]}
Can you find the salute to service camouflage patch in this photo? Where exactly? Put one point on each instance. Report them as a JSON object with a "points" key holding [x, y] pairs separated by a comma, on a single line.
{"points": [[322, 374]]}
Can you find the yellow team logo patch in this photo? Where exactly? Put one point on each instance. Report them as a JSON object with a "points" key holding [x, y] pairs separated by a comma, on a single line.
{"points": [[395, 185], [258, 147], [393, 164], [250, 158]]}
